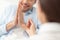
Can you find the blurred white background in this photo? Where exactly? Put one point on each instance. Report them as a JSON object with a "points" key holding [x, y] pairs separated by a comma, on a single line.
{"points": [[4, 3]]}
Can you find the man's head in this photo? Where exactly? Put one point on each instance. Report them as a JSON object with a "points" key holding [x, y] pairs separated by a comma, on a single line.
{"points": [[27, 4]]}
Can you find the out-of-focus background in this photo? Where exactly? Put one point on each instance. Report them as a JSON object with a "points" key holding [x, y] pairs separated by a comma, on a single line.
{"points": [[4, 3]]}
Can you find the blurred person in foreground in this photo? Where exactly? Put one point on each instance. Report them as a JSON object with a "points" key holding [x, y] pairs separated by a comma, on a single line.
{"points": [[48, 12]]}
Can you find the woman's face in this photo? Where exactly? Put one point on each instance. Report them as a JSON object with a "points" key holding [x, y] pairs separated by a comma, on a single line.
{"points": [[41, 15], [27, 4]]}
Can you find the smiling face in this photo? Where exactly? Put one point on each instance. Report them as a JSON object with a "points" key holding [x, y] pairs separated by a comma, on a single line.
{"points": [[27, 4]]}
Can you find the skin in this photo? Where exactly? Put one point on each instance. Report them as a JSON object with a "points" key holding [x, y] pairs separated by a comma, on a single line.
{"points": [[27, 4], [23, 6]]}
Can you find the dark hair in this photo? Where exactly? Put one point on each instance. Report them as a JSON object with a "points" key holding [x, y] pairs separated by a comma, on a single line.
{"points": [[51, 9]]}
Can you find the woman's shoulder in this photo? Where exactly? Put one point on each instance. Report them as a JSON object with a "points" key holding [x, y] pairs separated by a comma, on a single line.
{"points": [[47, 27]]}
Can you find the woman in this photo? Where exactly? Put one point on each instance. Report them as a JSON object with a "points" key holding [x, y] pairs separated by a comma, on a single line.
{"points": [[49, 14]]}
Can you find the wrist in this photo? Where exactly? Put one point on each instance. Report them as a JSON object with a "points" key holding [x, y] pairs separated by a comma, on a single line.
{"points": [[32, 34], [10, 25]]}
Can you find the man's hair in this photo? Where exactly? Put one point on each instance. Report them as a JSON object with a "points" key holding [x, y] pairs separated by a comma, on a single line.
{"points": [[51, 9]]}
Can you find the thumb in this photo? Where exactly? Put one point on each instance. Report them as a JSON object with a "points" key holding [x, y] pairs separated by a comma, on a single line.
{"points": [[32, 26], [28, 24], [31, 22]]}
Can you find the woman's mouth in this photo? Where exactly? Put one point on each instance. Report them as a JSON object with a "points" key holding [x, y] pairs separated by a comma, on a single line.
{"points": [[25, 5]]}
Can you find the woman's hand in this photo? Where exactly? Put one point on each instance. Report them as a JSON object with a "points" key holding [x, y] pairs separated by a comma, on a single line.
{"points": [[30, 28], [20, 15]]}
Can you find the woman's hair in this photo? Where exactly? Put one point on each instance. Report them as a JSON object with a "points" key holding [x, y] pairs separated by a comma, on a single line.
{"points": [[52, 9]]}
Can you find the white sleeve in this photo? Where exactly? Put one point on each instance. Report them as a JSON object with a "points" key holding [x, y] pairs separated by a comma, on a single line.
{"points": [[3, 29], [5, 18]]}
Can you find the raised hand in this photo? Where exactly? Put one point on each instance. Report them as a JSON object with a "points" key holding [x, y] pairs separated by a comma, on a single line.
{"points": [[30, 28], [20, 15], [13, 23]]}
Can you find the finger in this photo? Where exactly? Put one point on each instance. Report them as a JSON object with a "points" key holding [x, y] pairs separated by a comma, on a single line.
{"points": [[20, 14], [31, 21], [32, 24], [28, 24], [16, 19], [19, 9]]}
